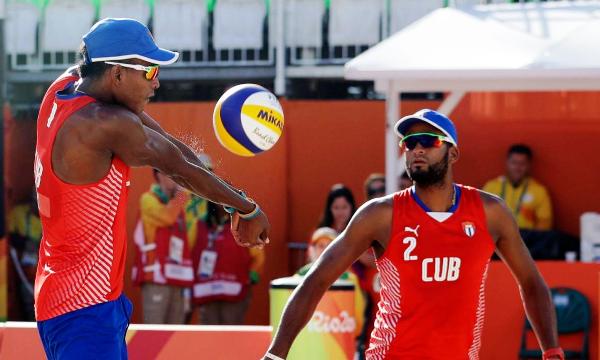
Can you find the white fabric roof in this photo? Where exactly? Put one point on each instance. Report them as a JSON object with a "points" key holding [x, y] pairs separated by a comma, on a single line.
{"points": [[503, 47]]}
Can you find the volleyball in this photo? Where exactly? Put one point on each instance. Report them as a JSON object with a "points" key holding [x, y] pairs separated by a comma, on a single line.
{"points": [[248, 119]]}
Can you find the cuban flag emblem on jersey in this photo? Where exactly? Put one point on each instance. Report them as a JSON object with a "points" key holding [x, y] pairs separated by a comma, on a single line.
{"points": [[469, 228]]}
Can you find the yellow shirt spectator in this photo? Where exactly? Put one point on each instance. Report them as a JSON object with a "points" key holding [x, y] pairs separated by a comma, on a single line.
{"points": [[156, 212], [195, 210], [320, 239], [529, 202], [23, 222]]}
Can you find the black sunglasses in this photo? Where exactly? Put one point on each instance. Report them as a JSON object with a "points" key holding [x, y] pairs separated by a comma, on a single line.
{"points": [[376, 191]]}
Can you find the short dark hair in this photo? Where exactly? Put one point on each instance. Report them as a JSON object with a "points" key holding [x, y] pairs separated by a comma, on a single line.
{"points": [[88, 69], [371, 179], [520, 149]]}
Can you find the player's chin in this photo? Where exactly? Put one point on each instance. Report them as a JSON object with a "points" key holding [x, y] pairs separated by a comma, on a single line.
{"points": [[420, 168]]}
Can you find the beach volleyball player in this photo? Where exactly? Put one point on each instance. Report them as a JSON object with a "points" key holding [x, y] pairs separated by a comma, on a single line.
{"points": [[433, 244], [91, 129]]}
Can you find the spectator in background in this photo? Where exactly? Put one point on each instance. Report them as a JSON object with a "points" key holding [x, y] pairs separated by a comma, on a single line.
{"points": [[339, 208], [25, 233], [527, 198], [374, 186], [319, 241], [163, 257], [224, 271], [196, 207], [196, 210]]}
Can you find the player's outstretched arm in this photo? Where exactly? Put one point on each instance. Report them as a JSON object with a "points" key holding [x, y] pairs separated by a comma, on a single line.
{"points": [[187, 152], [125, 135], [534, 291], [366, 227]]}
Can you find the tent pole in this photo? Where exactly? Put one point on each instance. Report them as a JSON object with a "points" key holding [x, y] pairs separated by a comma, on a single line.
{"points": [[392, 111], [280, 80], [450, 102]]}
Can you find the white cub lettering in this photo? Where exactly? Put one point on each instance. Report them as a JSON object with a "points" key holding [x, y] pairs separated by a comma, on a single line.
{"points": [[440, 269]]}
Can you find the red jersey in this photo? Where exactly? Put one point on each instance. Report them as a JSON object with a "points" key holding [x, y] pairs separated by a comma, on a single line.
{"points": [[432, 282], [83, 246]]}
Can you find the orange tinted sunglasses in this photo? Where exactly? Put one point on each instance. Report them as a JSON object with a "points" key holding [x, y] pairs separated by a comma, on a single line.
{"points": [[151, 71]]}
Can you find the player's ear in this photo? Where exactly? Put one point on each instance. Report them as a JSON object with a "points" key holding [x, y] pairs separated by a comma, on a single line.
{"points": [[116, 73], [453, 154]]}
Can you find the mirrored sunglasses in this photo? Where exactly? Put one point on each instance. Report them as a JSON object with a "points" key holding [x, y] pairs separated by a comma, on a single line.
{"points": [[427, 140], [151, 71]]}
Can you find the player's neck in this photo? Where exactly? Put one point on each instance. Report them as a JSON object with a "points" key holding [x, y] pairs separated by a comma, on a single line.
{"points": [[93, 89], [437, 197], [516, 182]]}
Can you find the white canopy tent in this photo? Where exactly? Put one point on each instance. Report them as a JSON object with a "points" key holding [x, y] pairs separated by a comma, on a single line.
{"points": [[503, 47]]}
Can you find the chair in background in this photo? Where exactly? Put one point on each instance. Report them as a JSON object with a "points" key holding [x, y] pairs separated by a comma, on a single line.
{"points": [[572, 316], [134, 9], [190, 36], [22, 22], [60, 38]]}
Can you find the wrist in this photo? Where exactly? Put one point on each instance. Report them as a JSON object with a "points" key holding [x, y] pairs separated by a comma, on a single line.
{"points": [[252, 214], [251, 205], [553, 353]]}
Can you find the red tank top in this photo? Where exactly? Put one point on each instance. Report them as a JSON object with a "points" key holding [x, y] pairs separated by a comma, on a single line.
{"points": [[83, 246], [432, 282]]}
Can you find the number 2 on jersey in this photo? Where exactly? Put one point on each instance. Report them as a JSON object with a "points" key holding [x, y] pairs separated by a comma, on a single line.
{"points": [[412, 244]]}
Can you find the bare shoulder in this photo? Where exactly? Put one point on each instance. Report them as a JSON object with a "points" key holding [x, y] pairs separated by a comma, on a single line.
{"points": [[375, 219], [498, 215], [103, 114], [85, 143], [97, 127], [108, 122], [492, 202], [378, 208]]}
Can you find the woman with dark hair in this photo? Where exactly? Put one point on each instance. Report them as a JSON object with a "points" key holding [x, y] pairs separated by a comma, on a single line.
{"points": [[339, 208]]}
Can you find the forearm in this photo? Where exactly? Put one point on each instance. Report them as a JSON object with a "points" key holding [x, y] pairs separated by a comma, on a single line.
{"points": [[540, 312], [207, 185], [296, 315], [187, 152]]}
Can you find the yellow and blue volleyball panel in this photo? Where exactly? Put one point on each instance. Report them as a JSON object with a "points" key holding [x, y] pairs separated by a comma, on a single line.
{"points": [[248, 119]]}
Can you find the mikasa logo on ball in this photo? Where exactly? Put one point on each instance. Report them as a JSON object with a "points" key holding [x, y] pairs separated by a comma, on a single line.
{"points": [[269, 117]]}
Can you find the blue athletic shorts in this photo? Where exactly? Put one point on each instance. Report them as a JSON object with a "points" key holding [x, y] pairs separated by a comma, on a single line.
{"points": [[94, 332]]}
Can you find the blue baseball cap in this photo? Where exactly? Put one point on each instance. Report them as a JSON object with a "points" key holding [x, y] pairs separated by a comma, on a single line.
{"points": [[431, 117], [119, 39]]}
